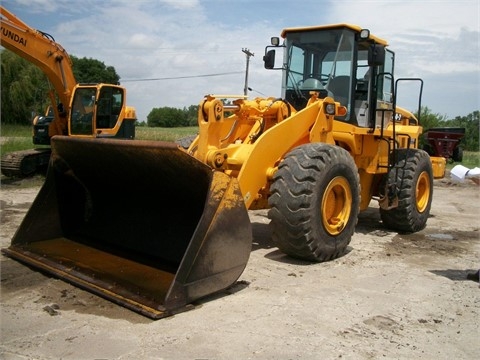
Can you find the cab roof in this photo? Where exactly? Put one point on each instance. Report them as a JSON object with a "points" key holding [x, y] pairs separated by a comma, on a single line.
{"points": [[355, 28]]}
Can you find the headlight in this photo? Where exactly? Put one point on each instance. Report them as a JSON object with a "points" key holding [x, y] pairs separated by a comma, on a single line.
{"points": [[330, 109]]}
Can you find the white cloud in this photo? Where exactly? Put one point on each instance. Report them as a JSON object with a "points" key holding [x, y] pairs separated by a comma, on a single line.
{"points": [[35, 5], [181, 4]]}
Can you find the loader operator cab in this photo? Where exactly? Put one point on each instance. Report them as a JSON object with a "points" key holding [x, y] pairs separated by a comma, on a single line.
{"points": [[344, 62]]}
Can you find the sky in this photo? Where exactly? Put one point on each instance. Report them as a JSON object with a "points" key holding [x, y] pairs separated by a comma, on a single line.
{"points": [[171, 53]]}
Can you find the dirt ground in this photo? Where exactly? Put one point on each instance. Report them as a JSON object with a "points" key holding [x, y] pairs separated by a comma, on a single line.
{"points": [[391, 296]]}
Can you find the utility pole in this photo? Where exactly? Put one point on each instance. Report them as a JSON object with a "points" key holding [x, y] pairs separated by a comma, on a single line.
{"points": [[249, 54]]}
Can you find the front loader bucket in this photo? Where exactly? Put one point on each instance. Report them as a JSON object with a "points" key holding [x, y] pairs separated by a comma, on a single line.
{"points": [[140, 223]]}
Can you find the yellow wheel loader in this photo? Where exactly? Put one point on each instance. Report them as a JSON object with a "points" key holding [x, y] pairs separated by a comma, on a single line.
{"points": [[154, 226]]}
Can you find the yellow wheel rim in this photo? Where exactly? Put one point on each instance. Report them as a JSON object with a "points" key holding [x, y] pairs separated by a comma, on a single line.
{"points": [[422, 191], [336, 205]]}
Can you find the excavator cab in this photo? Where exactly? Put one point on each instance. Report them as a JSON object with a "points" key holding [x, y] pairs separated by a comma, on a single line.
{"points": [[100, 110], [96, 111]]}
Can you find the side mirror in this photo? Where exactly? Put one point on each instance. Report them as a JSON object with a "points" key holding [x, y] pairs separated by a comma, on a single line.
{"points": [[376, 55], [269, 59]]}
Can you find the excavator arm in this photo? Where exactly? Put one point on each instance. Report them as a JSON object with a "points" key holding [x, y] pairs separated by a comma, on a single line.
{"points": [[41, 50]]}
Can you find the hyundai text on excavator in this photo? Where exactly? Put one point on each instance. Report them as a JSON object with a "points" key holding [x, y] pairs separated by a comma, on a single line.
{"points": [[84, 110], [315, 158]]}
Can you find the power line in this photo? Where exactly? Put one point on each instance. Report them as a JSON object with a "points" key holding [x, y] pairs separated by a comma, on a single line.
{"points": [[183, 77]]}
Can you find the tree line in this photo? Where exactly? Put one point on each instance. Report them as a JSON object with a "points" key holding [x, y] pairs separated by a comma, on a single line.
{"points": [[24, 90], [172, 117]]}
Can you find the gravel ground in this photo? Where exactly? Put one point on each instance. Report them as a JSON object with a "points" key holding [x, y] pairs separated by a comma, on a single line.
{"points": [[391, 296]]}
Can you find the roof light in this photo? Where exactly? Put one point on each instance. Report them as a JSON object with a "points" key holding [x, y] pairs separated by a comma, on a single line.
{"points": [[364, 34]]}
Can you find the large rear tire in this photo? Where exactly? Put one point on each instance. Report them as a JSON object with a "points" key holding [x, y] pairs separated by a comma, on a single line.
{"points": [[413, 177], [315, 197]]}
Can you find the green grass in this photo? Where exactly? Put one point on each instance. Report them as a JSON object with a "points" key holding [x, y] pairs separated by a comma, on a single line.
{"points": [[164, 134], [19, 137], [470, 160], [10, 130], [15, 138]]}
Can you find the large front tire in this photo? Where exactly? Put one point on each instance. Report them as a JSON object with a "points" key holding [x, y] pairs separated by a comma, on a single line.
{"points": [[315, 197], [413, 177]]}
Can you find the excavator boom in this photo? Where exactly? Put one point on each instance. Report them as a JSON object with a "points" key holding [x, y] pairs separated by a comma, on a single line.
{"points": [[41, 50]]}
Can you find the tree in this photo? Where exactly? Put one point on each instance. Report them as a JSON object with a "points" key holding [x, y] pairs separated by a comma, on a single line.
{"points": [[191, 115], [167, 117], [24, 89], [88, 70], [429, 120], [472, 128]]}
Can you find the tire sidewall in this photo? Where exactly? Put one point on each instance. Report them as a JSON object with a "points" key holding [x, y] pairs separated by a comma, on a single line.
{"points": [[330, 172]]}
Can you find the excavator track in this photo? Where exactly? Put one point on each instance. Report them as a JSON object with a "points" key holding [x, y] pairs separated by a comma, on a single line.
{"points": [[25, 162]]}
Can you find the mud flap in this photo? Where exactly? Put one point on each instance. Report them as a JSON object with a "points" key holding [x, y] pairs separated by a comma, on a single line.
{"points": [[140, 223]]}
